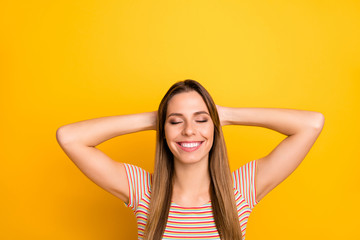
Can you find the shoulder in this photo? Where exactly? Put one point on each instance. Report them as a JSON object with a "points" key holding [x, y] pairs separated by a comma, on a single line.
{"points": [[244, 182], [245, 174], [139, 184], [137, 176], [135, 169]]}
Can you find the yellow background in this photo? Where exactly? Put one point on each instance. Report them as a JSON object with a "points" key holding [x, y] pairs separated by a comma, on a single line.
{"points": [[67, 61]]}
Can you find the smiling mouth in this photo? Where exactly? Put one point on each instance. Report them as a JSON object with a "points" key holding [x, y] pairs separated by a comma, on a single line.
{"points": [[190, 146]]}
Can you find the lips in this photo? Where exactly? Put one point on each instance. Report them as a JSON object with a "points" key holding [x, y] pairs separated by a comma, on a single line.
{"points": [[190, 146]]}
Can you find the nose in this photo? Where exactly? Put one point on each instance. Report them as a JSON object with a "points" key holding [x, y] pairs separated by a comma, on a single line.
{"points": [[189, 129]]}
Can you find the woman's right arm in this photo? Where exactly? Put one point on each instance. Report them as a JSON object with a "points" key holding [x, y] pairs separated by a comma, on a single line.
{"points": [[79, 141]]}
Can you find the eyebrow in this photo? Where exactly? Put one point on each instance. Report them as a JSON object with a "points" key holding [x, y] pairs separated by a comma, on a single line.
{"points": [[195, 113]]}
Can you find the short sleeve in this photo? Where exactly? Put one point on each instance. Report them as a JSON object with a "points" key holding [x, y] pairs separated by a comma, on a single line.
{"points": [[244, 182], [139, 184]]}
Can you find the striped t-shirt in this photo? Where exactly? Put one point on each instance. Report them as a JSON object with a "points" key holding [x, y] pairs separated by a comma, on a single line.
{"points": [[190, 222]]}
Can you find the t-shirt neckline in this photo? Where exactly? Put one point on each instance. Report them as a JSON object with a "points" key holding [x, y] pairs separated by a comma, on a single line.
{"points": [[202, 206]]}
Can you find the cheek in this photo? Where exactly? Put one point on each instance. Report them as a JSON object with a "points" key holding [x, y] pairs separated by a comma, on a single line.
{"points": [[168, 140], [170, 134], [207, 131]]}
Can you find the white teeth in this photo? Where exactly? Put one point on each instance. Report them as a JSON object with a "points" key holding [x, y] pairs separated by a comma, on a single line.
{"points": [[190, 145]]}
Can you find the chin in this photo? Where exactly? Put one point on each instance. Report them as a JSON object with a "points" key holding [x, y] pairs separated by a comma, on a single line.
{"points": [[190, 160]]}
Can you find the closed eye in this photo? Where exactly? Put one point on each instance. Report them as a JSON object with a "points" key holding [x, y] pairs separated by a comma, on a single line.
{"points": [[199, 121]]}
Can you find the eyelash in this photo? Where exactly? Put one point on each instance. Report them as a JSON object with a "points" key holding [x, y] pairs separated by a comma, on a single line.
{"points": [[201, 121]]}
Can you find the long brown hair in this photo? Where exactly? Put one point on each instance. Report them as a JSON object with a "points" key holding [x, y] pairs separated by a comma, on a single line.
{"points": [[221, 186]]}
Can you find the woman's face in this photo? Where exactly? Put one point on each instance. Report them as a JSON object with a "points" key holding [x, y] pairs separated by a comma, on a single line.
{"points": [[189, 129]]}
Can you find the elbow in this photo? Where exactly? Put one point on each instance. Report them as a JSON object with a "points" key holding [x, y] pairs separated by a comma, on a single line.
{"points": [[319, 121], [62, 136]]}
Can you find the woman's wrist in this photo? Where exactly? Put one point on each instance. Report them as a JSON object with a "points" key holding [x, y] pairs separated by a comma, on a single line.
{"points": [[153, 116], [224, 115]]}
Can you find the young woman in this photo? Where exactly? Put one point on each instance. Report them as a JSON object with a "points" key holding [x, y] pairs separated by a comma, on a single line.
{"points": [[192, 193]]}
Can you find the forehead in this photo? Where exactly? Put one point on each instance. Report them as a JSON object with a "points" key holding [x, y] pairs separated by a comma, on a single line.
{"points": [[186, 102]]}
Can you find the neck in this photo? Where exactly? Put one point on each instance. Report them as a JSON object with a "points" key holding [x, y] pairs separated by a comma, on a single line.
{"points": [[191, 183]]}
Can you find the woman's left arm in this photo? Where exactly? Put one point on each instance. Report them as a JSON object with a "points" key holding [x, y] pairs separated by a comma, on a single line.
{"points": [[302, 128]]}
